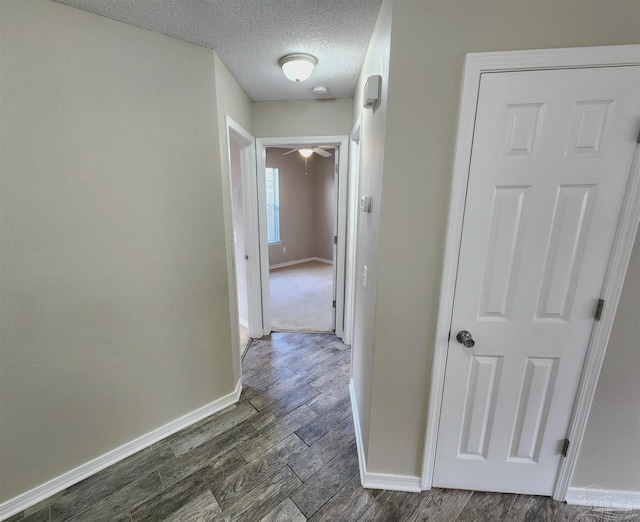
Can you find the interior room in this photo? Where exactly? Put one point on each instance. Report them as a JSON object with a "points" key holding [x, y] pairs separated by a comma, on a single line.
{"points": [[140, 378], [301, 229]]}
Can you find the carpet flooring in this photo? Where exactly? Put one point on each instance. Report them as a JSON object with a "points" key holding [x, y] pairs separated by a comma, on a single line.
{"points": [[285, 452], [301, 297]]}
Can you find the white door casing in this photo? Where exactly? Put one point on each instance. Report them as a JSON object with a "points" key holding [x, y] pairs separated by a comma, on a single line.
{"points": [[352, 217], [552, 151], [334, 250], [341, 143], [236, 133]]}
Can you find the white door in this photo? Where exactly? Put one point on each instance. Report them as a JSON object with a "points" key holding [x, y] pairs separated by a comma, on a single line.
{"points": [[552, 151]]}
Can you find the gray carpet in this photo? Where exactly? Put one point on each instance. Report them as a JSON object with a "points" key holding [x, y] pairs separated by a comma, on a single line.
{"points": [[301, 297]]}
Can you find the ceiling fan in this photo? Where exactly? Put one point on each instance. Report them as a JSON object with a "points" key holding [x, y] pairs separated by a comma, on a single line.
{"points": [[306, 151]]}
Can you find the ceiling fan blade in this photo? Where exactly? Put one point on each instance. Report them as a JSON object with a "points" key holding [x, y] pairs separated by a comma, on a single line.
{"points": [[290, 152], [322, 152]]}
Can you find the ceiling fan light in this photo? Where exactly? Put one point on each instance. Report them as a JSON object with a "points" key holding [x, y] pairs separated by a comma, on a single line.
{"points": [[305, 153], [298, 67]]}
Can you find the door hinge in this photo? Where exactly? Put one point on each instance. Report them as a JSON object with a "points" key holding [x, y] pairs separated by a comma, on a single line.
{"points": [[334, 303], [599, 309], [335, 240], [565, 447]]}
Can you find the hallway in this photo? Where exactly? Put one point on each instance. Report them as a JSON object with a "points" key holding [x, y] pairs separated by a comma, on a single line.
{"points": [[285, 451]]}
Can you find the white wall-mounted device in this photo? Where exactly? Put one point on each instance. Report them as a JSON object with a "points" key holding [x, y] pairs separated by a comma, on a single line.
{"points": [[365, 204], [372, 89]]}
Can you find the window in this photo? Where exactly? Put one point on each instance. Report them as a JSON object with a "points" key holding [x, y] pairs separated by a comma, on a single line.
{"points": [[273, 205]]}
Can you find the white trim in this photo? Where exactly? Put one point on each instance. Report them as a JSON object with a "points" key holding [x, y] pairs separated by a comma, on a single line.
{"points": [[611, 290], [352, 220], [475, 65], [53, 486], [237, 133], [618, 501], [362, 461], [393, 482], [300, 261], [337, 141], [243, 322], [370, 480], [341, 233]]}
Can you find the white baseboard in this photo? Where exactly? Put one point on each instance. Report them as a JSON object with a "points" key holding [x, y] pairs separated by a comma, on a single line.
{"points": [[394, 482], [44, 491], [378, 480], [602, 499], [356, 425], [300, 261]]}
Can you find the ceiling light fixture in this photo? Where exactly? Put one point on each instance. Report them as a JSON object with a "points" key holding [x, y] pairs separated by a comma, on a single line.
{"points": [[305, 153], [298, 67]]}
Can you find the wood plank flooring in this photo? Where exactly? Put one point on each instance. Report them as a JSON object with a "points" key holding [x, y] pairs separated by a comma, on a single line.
{"points": [[285, 452]]}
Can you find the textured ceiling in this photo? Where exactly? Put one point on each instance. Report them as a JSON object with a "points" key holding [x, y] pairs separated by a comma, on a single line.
{"points": [[250, 36]]}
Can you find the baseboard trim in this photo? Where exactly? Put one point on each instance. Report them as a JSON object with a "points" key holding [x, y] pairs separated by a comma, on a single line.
{"points": [[356, 425], [407, 483], [42, 492], [598, 497], [300, 261], [371, 480]]}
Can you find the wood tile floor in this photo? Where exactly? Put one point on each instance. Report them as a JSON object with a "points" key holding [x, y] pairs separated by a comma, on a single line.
{"points": [[285, 452]]}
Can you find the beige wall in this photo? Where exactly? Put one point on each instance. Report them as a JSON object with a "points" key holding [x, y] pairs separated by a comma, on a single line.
{"points": [[115, 310], [304, 204], [422, 114], [296, 208], [610, 454], [232, 102], [324, 204], [275, 119], [368, 225]]}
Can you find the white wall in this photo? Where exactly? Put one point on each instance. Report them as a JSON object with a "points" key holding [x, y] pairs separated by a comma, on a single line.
{"points": [[429, 40], [115, 310]]}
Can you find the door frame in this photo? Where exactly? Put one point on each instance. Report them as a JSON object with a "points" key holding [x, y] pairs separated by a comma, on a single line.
{"points": [[352, 221], [235, 132], [341, 208], [477, 64]]}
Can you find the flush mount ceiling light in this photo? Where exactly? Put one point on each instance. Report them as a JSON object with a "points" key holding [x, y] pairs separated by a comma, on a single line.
{"points": [[298, 67], [305, 152]]}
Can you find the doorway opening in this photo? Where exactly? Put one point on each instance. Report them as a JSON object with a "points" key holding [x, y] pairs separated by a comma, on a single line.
{"points": [[243, 254], [302, 223]]}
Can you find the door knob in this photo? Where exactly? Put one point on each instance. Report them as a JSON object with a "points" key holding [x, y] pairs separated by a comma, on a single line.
{"points": [[465, 338]]}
